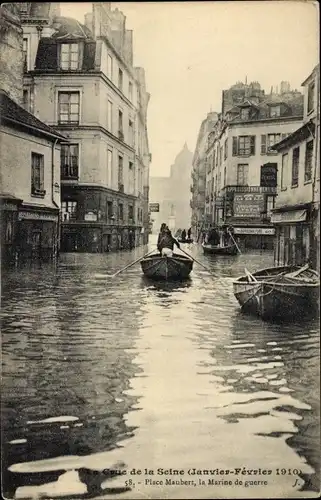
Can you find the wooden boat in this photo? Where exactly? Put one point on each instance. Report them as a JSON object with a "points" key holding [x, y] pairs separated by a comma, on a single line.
{"points": [[219, 250], [157, 267], [187, 240], [279, 292]]}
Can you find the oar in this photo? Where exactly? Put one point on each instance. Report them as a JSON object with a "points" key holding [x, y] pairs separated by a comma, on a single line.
{"points": [[130, 265], [197, 261], [250, 276], [239, 251]]}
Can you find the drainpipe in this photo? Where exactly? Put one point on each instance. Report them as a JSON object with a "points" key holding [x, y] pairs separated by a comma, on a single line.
{"points": [[57, 245]]}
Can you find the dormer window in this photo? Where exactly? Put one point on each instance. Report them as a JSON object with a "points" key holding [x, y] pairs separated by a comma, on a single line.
{"points": [[245, 113], [275, 111], [69, 56]]}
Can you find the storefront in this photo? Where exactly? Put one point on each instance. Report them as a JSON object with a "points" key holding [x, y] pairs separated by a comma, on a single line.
{"points": [[255, 237], [9, 206], [292, 235], [37, 234]]}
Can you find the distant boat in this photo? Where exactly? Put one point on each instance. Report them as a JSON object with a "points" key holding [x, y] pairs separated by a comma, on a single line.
{"points": [[279, 292], [157, 267], [219, 249]]}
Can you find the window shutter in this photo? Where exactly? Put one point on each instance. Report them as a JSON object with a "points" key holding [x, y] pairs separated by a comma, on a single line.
{"points": [[235, 149], [252, 144], [263, 144], [89, 56]]}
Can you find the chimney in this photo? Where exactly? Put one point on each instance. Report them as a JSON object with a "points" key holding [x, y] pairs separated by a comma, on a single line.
{"points": [[89, 21]]}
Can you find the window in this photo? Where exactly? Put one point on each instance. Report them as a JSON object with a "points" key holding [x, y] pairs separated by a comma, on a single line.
{"points": [[68, 107], [110, 213], [25, 100], [225, 148], [69, 56], [308, 161], [130, 91], [120, 79], [295, 166], [110, 116], [109, 67], [109, 166], [275, 111], [270, 203], [311, 88], [37, 174], [272, 139], [244, 145], [120, 173], [25, 52], [69, 161], [130, 212], [221, 155], [131, 133], [245, 113], [284, 170], [242, 174], [120, 125], [68, 209], [120, 211]]}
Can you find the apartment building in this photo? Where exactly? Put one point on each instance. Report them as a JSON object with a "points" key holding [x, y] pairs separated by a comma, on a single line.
{"points": [[296, 215], [200, 219], [241, 165], [80, 80], [29, 158]]}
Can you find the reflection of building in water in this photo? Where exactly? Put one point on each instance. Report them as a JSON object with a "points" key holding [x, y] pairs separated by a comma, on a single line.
{"points": [[173, 194]]}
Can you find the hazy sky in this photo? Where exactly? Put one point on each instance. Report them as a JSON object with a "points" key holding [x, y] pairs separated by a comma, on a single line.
{"points": [[191, 51]]}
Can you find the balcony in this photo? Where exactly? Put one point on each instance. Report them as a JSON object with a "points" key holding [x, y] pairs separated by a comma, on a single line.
{"points": [[69, 172], [249, 189]]}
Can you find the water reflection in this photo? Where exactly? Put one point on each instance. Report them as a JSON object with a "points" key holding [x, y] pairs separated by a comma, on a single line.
{"points": [[101, 373]]}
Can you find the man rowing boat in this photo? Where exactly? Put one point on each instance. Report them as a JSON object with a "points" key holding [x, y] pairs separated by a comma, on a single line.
{"points": [[166, 242]]}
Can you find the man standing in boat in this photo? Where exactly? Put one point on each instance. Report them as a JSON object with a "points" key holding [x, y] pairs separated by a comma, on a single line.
{"points": [[166, 243], [213, 237]]}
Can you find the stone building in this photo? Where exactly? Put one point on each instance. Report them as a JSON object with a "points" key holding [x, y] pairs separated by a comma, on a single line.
{"points": [[173, 194], [199, 220], [241, 165], [29, 158], [296, 215], [80, 80]]}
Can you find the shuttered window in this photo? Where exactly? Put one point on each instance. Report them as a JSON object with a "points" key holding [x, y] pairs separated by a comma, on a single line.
{"points": [[263, 144], [246, 145], [242, 174], [295, 166], [284, 171], [308, 161]]}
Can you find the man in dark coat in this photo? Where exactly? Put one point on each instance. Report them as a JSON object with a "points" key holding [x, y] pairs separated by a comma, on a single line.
{"points": [[166, 243]]}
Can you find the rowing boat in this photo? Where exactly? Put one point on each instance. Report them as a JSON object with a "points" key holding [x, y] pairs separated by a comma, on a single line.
{"points": [[157, 267], [279, 292], [219, 249]]}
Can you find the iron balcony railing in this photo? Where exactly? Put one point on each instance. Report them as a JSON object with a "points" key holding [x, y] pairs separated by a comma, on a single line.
{"points": [[249, 189]]}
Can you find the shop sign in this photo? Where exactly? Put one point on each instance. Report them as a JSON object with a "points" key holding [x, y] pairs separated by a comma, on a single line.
{"points": [[248, 205], [37, 216], [154, 207], [91, 216], [254, 230], [269, 173], [288, 217]]}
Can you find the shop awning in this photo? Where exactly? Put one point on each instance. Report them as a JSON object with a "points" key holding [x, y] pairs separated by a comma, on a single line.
{"points": [[289, 217]]}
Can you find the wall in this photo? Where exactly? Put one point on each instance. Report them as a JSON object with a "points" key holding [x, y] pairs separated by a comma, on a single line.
{"points": [[15, 155], [11, 59]]}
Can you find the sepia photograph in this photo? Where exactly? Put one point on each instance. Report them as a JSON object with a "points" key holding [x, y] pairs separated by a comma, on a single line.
{"points": [[160, 250]]}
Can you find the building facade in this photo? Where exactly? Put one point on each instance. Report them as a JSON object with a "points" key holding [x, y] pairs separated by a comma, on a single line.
{"points": [[200, 219], [30, 162], [241, 165], [80, 80], [296, 215], [172, 193]]}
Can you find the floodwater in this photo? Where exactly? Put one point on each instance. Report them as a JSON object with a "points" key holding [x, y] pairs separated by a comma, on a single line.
{"points": [[123, 388]]}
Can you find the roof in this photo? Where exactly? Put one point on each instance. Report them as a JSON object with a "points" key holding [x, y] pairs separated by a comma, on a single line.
{"points": [[68, 28], [315, 70], [297, 136], [12, 112]]}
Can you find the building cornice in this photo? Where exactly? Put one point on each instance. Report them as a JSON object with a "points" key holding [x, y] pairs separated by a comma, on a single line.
{"points": [[83, 186]]}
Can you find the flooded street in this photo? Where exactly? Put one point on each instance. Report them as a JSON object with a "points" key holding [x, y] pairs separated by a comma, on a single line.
{"points": [[121, 373]]}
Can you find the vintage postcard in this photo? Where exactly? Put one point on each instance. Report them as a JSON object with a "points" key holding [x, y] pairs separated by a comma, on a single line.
{"points": [[160, 250]]}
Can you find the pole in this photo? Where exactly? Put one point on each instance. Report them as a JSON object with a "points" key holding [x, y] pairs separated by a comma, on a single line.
{"points": [[197, 261], [229, 232], [130, 265]]}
